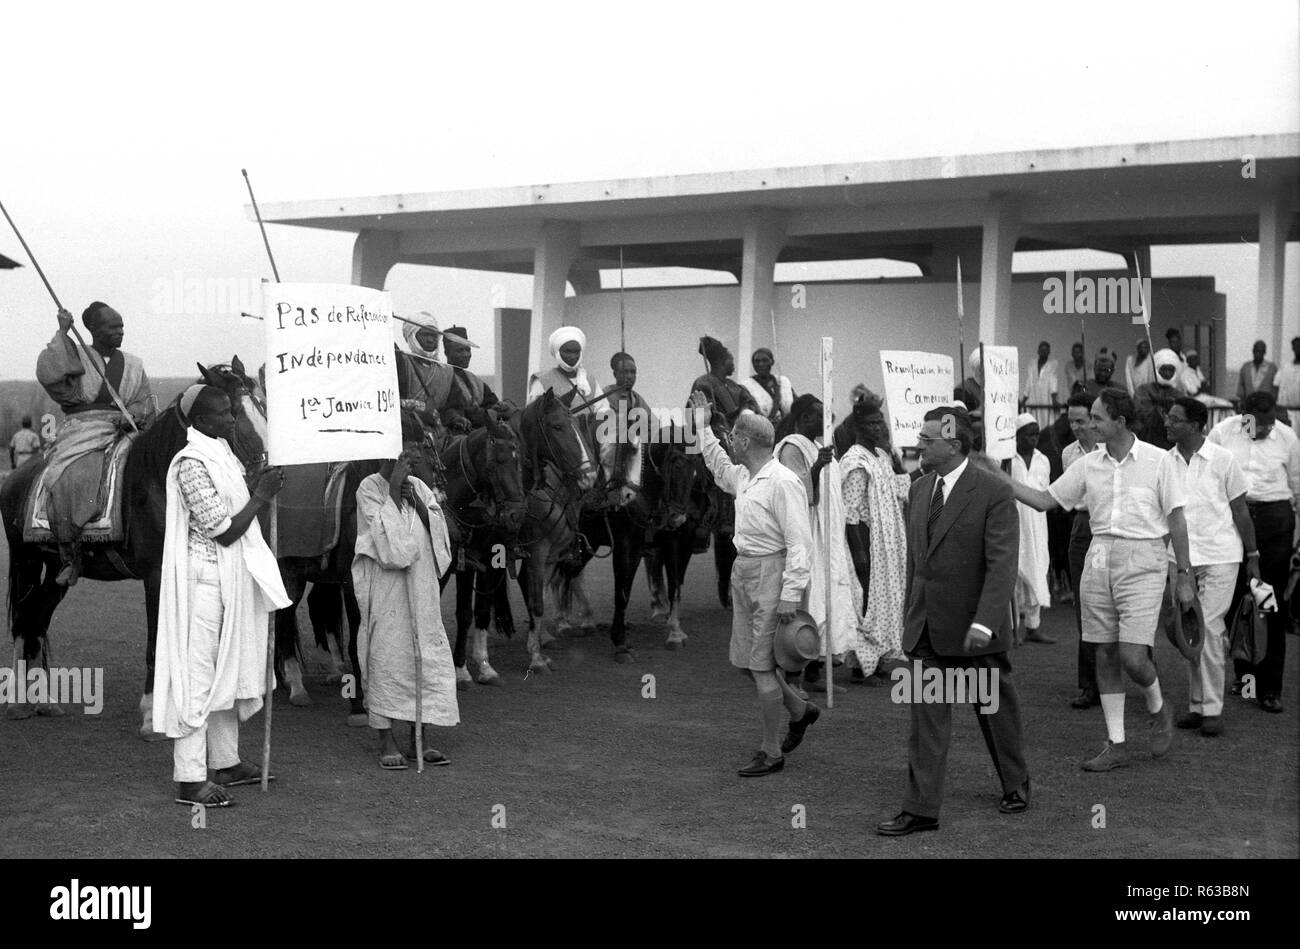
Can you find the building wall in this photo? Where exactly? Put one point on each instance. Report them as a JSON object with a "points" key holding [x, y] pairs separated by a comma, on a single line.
{"points": [[664, 326]]}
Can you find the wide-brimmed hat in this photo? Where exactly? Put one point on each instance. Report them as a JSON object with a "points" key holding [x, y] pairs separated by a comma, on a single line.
{"points": [[1185, 627], [797, 642]]}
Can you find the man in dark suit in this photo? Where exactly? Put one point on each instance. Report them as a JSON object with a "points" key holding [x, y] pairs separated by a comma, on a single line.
{"points": [[963, 551]]}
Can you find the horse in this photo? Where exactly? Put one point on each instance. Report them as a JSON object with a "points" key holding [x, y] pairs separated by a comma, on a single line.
{"points": [[558, 470], [485, 501], [653, 521], [33, 594]]}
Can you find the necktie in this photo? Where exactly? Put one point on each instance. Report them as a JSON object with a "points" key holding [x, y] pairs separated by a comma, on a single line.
{"points": [[936, 507]]}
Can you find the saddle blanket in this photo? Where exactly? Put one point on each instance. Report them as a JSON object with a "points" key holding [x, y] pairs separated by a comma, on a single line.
{"points": [[109, 525], [309, 509]]}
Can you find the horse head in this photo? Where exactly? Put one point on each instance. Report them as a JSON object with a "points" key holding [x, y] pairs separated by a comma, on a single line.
{"points": [[249, 441], [552, 434], [501, 457]]}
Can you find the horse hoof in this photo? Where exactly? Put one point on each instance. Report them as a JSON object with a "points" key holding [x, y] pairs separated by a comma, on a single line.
{"points": [[463, 679], [658, 610], [539, 666], [675, 644], [300, 698], [17, 712], [52, 710], [487, 675], [358, 720], [624, 656]]}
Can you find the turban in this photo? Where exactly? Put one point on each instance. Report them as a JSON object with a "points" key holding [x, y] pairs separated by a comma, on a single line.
{"points": [[976, 367], [1162, 358], [712, 350], [187, 399], [409, 331], [1190, 353], [1025, 418], [578, 375]]}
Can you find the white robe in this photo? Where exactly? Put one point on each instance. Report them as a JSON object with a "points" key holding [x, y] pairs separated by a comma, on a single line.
{"points": [[764, 399], [1034, 556], [395, 574], [251, 589], [845, 590]]}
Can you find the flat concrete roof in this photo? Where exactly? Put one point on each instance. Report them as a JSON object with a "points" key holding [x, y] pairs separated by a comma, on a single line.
{"points": [[1188, 191]]}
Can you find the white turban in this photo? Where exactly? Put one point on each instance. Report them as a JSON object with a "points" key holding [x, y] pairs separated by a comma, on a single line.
{"points": [[1162, 358], [1025, 418], [976, 366], [409, 331], [571, 334]]}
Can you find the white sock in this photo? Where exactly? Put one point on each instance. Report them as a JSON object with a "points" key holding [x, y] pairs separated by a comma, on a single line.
{"points": [[1154, 700], [1112, 706]]}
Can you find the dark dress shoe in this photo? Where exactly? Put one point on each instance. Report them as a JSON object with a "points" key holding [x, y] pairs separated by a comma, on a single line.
{"points": [[1035, 636], [1085, 699], [762, 765], [1188, 720], [905, 824], [1016, 802], [795, 735], [1271, 703]]}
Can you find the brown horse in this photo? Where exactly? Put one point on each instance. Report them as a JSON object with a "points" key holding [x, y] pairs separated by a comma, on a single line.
{"points": [[33, 594]]}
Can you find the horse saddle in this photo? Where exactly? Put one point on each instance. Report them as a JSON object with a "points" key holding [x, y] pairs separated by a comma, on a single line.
{"points": [[108, 524], [309, 509]]}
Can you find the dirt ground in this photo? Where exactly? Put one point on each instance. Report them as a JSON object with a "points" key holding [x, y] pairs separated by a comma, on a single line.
{"points": [[580, 764]]}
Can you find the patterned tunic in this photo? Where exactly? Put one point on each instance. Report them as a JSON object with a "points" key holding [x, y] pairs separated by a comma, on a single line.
{"points": [[208, 515]]}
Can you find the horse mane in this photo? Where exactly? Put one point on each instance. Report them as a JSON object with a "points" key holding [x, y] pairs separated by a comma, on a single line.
{"points": [[154, 450]]}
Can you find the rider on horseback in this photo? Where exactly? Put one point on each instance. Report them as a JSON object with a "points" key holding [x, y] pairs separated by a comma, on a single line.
{"points": [[471, 403], [623, 425], [424, 383], [92, 423]]}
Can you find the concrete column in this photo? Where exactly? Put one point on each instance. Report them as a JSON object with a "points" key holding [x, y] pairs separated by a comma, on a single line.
{"points": [[1001, 229], [585, 276], [373, 254], [764, 237], [1273, 215], [553, 254]]}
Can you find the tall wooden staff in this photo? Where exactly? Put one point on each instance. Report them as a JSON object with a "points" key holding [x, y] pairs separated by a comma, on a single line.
{"points": [[961, 332], [825, 513], [88, 357], [1146, 309], [274, 516]]}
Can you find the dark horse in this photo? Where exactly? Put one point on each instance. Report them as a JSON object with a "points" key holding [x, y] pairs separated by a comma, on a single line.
{"points": [[33, 594], [558, 469], [485, 502], [657, 523]]}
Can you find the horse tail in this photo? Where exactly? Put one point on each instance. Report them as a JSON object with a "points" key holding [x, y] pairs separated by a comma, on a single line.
{"points": [[13, 496]]}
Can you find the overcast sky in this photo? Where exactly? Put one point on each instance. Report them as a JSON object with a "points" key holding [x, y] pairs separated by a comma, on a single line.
{"points": [[123, 127]]}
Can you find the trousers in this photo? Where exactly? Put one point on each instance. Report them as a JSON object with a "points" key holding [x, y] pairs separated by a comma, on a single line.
{"points": [[214, 744], [1274, 525]]}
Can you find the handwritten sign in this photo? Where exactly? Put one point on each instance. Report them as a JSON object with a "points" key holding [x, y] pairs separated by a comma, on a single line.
{"points": [[915, 383], [1001, 392], [331, 381]]}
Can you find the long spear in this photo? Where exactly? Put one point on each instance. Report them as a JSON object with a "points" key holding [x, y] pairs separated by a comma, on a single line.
{"points": [[622, 329], [1146, 309], [828, 531], [274, 517], [961, 331], [94, 363]]}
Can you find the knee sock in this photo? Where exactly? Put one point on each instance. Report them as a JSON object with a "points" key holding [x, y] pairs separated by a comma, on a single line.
{"points": [[771, 706], [1154, 700], [1112, 707]]}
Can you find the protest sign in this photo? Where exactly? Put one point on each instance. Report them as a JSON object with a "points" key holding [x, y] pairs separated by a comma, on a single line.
{"points": [[915, 382], [1001, 395], [331, 378]]}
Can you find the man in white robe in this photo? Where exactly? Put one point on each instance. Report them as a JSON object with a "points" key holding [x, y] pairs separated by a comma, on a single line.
{"points": [[402, 551], [798, 452], [1030, 466], [220, 583]]}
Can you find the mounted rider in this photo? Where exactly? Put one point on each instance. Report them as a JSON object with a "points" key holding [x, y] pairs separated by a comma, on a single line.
{"points": [[92, 422], [471, 403], [424, 382], [727, 397], [624, 424]]}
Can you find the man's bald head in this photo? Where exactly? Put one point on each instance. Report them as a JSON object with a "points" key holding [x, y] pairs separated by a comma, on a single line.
{"points": [[756, 429]]}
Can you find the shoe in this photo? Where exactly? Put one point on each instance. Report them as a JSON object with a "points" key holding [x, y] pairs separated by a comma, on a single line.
{"points": [[794, 736], [905, 824], [67, 577], [1085, 699], [1112, 756], [1162, 730], [1271, 703], [761, 765], [1189, 720], [1016, 802], [1211, 726], [1034, 636]]}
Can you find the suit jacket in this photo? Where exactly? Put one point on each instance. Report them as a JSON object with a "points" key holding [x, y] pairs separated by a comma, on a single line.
{"points": [[966, 572]]}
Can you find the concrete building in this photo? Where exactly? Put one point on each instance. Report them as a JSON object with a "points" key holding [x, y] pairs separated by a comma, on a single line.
{"points": [[926, 211]]}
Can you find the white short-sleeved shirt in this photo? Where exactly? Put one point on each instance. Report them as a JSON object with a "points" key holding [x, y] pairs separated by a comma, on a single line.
{"points": [[1131, 499], [1271, 464], [1211, 480]]}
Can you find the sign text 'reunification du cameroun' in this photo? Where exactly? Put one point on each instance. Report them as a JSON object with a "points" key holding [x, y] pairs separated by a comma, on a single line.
{"points": [[331, 379]]}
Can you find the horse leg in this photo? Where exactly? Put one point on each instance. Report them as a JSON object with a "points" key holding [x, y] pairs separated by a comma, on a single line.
{"points": [[152, 590], [286, 642], [357, 717], [464, 596], [627, 555], [654, 581], [677, 546], [484, 674], [535, 593], [323, 608]]}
